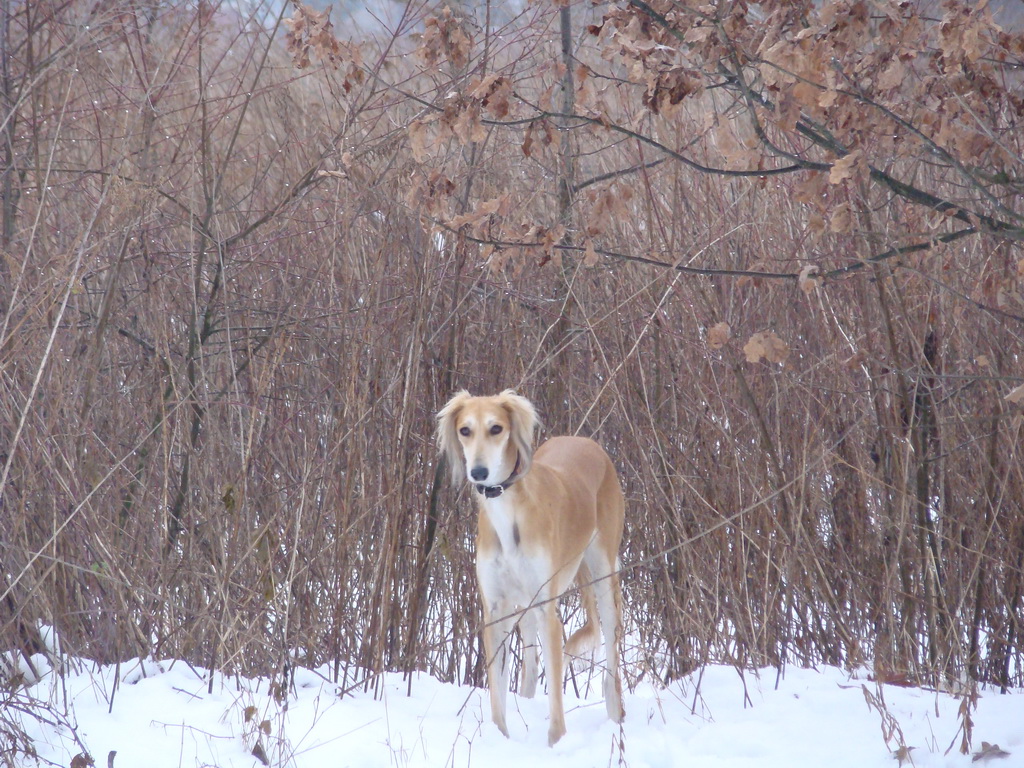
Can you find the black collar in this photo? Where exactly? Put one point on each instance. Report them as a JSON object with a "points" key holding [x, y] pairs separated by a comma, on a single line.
{"points": [[494, 491]]}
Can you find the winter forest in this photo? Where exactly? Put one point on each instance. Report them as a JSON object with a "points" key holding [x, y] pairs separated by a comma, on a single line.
{"points": [[768, 254]]}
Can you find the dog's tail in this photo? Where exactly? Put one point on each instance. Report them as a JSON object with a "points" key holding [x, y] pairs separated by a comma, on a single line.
{"points": [[586, 638]]}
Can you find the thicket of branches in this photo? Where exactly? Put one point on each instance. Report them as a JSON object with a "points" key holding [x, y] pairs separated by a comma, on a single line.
{"points": [[767, 253]]}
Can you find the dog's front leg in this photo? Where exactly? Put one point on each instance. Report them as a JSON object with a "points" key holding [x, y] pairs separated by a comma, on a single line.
{"points": [[551, 641], [497, 629], [529, 634]]}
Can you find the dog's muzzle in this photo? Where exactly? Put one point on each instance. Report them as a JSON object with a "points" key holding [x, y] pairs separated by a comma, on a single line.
{"points": [[494, 491]]}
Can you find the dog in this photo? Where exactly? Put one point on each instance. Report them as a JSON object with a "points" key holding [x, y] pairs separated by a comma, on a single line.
{"points": [[546, 519]]}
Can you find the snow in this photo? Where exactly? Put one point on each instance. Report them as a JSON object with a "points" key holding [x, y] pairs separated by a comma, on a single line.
{"points": [[163, 715]]}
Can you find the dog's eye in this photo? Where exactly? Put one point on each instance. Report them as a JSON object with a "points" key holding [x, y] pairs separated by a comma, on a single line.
{"points": [[465, 432], [496, 429]]}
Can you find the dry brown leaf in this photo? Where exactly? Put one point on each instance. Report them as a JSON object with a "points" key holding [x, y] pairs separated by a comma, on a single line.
{"points": [[494, 92], [989, 752], [828, 98], [528, 140], [444, 38], [493, 258], [903, 754], [586, 95], [856, 360], [777, 349], [783, 55], [590, 256], [816, 224], [310, 32], [479, 89], [787, 110], [540, 132], [1016, 396], [483, 210], [754, 348], [846, 167], [605, 207], [806, 94], [468, 127], [893, 75], [810, 189], [622, 194], [260, 753], [809, 280], [842, 219], [417, 131], [765, 345], [552, 137], [735, 153], [697, 34], [718, 335]]}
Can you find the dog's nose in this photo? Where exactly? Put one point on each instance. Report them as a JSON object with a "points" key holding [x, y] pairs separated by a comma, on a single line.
{"points": [[478, 473]]}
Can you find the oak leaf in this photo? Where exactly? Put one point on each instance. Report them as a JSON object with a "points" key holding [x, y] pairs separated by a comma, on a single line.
{"points": [[697, 34], [468, 127], [494, 92], [528, 140], [542, 132], [417, 131], [308, 32], [816, 224], [989, 752], [482, 211], [765, 345], [444, 38], [893, 75], [842, 219], [1016, 396], [260, 753], [811, 190], [809, 280], [903, 755], [828, 98], [846, 167], [718, 335], [787, 110]]}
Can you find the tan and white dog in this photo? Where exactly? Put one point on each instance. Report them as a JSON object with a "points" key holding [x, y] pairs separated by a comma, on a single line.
{"points": [[546, 519]]}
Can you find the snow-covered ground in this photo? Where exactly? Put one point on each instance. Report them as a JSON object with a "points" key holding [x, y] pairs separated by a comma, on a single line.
{"points": [[162, 715]]}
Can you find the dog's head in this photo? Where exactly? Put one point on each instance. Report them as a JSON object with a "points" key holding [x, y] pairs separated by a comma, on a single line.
{"points": [[485, 438]]}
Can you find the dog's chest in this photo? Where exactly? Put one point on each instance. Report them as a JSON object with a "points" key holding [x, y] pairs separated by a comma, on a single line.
{"points": [[508, 572], [502, 519]]}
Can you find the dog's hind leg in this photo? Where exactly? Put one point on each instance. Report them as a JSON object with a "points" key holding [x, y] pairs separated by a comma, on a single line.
{"points": [[608, 595], [588, 636]]}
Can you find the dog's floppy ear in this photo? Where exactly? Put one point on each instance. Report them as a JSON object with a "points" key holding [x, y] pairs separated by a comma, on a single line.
{"points": [[448, 439], [524, 422]]}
